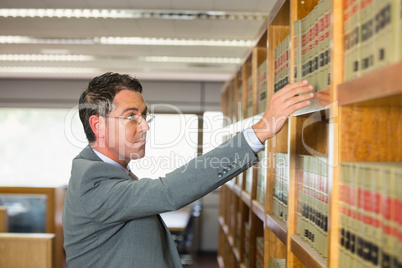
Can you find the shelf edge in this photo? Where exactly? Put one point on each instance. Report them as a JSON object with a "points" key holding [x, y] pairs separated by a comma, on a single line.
{"points": [[277, 227], [306, 254], [381, 83], [258, 210], [221, 264]]}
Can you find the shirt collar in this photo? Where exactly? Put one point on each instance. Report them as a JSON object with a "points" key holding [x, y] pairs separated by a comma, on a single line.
{"points": [[106, 159]]}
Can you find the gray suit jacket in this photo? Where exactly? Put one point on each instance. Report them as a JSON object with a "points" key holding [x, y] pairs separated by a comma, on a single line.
{"points": [[113, 221]]}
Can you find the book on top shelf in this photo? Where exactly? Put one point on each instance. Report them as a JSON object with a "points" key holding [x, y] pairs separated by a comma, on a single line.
{"points": [[282, 64], [249, 101], [259, 263], [262, 85], [312, 201], [239, 103], [262, 177], [311, 43]]}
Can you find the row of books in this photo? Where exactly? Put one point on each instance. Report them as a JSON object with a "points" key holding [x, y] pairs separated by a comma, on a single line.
{"points": [[249, 110], [282, 64], [259, 259], [373, 32], [312, 201], [370, 205], [247, 244], [249, 179], [311, 42], [280, 186], [277, 263], [262, 177], [262, 86]]}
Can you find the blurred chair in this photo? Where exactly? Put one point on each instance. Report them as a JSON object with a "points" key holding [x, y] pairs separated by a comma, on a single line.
{"points": [[187, 241]]}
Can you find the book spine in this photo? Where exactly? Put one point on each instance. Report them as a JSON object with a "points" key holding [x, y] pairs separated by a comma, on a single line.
{"points": [[367, 36], [399, 7], [261, 181], [263, 87], [240, 104], [250, 97], [355, 38], [260, 252], [247, 244], [346, 32], [383, 33], [327, 44], [299, 179], [388, 204]]}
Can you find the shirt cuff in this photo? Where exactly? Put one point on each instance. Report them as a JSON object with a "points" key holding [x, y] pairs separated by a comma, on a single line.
{"points": [[252, 140]]}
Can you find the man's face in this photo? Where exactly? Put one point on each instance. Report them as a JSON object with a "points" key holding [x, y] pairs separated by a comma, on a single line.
{"points": [[126, 139]]}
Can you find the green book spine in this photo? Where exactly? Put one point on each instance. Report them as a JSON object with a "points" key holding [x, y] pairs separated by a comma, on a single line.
{"points": [[355, 39], [383, 38], [347, 36], [262, 75], [367, 36]]}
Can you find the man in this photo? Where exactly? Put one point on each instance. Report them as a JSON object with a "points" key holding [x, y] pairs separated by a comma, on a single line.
{"points": [[110, 218]]}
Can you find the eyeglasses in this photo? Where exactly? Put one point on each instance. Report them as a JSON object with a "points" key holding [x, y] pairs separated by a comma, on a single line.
{"points": [[136, 118]]}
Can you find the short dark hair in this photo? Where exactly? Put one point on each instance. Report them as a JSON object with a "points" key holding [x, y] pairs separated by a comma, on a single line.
{"points": [[97, 99]]}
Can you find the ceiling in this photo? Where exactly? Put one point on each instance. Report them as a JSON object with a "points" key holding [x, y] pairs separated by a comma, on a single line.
{"points": [[83, 47]]}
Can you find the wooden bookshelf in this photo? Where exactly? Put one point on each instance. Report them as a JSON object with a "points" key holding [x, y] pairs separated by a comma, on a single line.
{"points": [[258, 209], [54, 209], [381, 87], [356, 120], [306, 254], [278, 227]]}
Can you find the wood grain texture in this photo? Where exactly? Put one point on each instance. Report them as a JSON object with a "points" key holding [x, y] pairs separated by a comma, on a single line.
{"points": [[3, 220], [371, 133], [26, 250], [381, 87], [307, 255]]}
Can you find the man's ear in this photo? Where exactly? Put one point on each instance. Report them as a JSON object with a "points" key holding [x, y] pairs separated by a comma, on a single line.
{"points": [[97, 124]]}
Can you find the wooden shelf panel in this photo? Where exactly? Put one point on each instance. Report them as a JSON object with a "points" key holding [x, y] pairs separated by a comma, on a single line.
{"points": [[221, 264], [236, 254], [229, 238], [277, 227], [258, 210], [237, 190], [306, 254], [246, 197], [223, 225], [384, 85]]}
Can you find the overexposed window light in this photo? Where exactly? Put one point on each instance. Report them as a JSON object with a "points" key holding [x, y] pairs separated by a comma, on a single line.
{"points": [[129, 14], [125, 41]]}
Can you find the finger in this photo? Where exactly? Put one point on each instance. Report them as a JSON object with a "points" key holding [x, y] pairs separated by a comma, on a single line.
{"points": [[292, 86], [295, 91], [298, 98], [300, 105]]}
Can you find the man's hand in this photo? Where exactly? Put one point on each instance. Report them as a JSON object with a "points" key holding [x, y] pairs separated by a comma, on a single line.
{"points": [[283, 103]]}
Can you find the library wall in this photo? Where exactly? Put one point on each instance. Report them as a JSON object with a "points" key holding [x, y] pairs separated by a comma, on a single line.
{"points": [[328, 188]]}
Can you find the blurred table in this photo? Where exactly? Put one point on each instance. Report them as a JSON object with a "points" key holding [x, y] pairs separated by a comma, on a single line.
{"points": [[177, 220]]}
